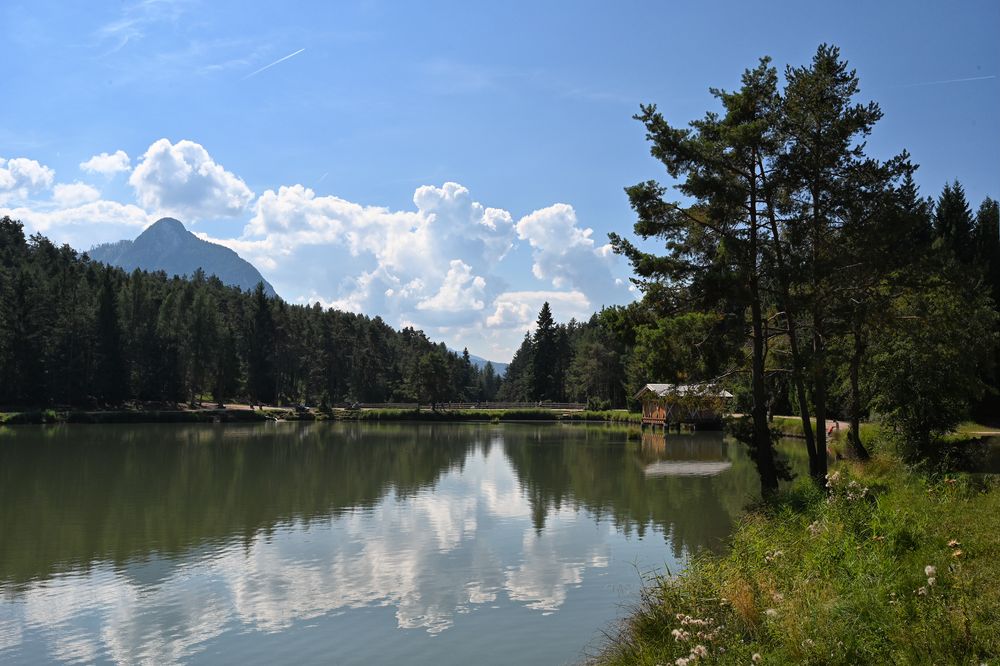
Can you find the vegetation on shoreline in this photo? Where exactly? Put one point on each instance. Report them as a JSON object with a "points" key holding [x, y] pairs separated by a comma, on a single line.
{"points": [[76, 332], [809, 275], [887, 567], [274, 414]]}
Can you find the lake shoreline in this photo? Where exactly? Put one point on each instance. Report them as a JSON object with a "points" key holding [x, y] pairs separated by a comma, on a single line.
{"points": [[912, 553], [245, 414]]}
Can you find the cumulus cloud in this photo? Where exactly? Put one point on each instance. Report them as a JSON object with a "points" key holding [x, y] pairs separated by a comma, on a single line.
{"points": [[441, 265], [435, 264], [438, 266], [84, 225], [20, 176], [108, 165], [563, 253], [460, 291], [182, 179], [74, 194], [518, 309]]}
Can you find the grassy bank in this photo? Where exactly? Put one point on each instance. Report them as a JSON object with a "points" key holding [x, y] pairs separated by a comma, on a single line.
{"points": [[488, 415], [139, 416], [893, 567]]}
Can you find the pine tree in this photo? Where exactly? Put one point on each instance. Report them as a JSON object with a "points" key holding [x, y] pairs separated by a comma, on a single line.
{"points": [[987, 242], [111, 373], [518, 383], [716, 247], [953, 224], [545, 356], [203, 341], [261, 348]]}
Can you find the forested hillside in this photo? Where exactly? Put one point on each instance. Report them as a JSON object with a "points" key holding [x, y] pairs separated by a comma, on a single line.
{"points": [[77, 332]]}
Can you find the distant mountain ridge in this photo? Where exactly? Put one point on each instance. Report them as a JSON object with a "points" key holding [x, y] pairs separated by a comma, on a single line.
{"points": [[168, 246], [480, 362]]}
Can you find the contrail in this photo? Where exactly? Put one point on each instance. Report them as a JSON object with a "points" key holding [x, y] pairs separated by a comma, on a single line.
{"points": [[936, 83], [279, 60]]}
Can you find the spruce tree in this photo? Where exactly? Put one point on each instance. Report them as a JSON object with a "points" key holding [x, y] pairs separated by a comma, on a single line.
{"points": [[545, 343], [111, 372], [953, 224], [260, 356]]}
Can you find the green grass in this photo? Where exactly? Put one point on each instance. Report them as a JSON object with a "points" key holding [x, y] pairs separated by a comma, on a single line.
{"points": [[492, 415], [811, 580], [34, 416], [966, 428], [128, 416], [607, 416], [449, 415]]}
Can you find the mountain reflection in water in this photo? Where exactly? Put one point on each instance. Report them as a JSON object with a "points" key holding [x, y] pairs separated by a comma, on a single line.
{"points": [[174, 543]]}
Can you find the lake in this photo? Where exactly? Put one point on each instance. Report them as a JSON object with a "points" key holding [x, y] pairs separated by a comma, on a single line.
{"points": [[346, 543]]}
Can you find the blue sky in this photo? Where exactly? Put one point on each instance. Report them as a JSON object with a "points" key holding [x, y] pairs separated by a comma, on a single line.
{"points": [[448, 165]]}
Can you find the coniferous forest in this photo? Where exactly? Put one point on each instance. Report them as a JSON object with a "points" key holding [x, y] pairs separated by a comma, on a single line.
{"points": [[76, 332]]}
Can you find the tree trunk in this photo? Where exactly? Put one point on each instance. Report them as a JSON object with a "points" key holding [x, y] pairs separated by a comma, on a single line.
{"points": [[793, 339], [817, 465], [761, 430], [858, 449]]}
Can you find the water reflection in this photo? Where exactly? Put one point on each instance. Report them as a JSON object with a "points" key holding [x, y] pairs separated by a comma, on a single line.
{"points": [[163, 543]]}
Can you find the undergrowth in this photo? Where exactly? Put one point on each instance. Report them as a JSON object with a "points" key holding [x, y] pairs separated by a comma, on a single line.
{"points": [[892, 566]]}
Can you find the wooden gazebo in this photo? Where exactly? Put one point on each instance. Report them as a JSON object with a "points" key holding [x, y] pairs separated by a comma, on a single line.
{"points": [[666, 405]]}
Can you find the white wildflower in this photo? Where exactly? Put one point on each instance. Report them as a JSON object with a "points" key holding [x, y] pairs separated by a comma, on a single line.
{"points": [[930, 570], [756, 658], [700, 651], [771, 612], [681, 661]]}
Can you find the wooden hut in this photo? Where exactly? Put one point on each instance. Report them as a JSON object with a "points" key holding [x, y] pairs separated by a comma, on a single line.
{"points": [[665, 405]]}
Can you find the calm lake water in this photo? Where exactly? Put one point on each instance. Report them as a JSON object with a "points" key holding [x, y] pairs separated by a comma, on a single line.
{"points": [[343, 543]]}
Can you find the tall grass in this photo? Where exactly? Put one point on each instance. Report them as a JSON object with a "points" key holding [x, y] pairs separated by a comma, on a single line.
{"points": [[891, 567]]}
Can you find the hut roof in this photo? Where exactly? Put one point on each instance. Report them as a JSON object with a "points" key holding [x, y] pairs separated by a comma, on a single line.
{"points": [[664, 390]]}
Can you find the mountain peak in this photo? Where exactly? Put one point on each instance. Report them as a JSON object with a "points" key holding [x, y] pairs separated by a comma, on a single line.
{"points": [[166, 245], [165, 227], [168, 223]]}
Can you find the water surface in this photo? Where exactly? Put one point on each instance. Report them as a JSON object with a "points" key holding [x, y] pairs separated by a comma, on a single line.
{"points": [[343, 543]]}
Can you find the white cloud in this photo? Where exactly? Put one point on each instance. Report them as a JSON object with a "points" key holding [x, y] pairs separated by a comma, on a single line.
{"points": [[563, 253], [20, 176], [85, 225], [518, 309], [108, 165], [182, 179], [449, 264], [74, 194], [460, 291], [434, 265]]}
